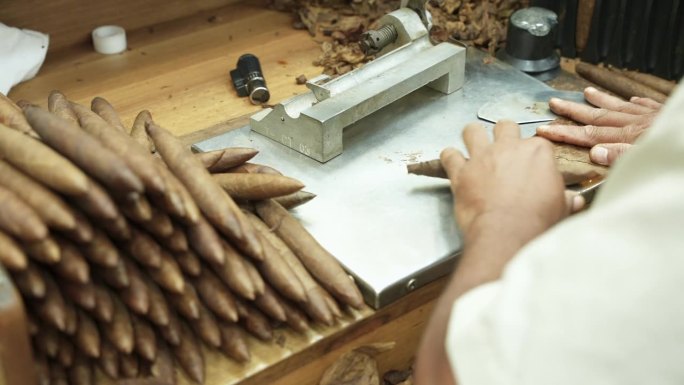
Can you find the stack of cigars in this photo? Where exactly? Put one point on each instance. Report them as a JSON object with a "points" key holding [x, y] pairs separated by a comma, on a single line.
{"points": [[129, 251]]}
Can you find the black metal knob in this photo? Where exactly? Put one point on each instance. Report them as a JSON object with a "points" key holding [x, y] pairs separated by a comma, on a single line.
{"points": [[249, 80]]}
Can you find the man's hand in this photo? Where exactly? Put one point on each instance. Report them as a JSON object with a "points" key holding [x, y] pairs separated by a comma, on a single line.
{"points": [[610, 128], [510, 180]]}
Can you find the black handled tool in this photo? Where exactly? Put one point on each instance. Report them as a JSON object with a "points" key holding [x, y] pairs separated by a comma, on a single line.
{"points": [[249, 80]]}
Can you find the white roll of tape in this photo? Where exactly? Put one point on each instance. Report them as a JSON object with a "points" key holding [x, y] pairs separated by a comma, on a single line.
{"points": [[109, 39]]}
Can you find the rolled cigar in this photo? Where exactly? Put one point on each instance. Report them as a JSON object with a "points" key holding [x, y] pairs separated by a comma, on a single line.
{"points": [[46, 251], [47, 340], [100, 250], [225, 159], [293, 200], [12, 116], [585, 12], [96, 203], [177, 201], [71, 318], [107, 112], [83, 295], [118, 228], [59, 106], [203, 238], [187, 303], [257, 186], [257, 281], [207, 328], [318, 261], [233, 343], [145, 339], [332, 304], [269, 303], [659, 84], [52, 209], [84, 150], [295, 318], [168, 275], [81, 372], [30, 282], [58, 374], [109, 360], [254, 168], [116, 277], [138, 131], [42, 369], [104, 308], [72, 266], [137, 208], [158, 312], [234, 273], [189, 355], [83, 233], [177, 241], [254, 321], [144, 249], [119, 332], [189, 263], [11, 255], [135, 296], [171, 332], [51, 309], [617, 83], [87, 337], [18, 219], [65, 354], [128, 365], [431, 168], [216, 295], [159, 223]]}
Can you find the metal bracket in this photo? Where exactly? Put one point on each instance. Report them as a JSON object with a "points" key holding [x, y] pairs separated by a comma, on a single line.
{"points": [[313, 123]]}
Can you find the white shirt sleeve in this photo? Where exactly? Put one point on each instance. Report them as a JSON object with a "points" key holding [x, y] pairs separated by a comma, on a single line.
{"points": [[598, 299]]}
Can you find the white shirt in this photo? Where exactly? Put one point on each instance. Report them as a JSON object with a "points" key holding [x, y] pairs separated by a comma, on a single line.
{"points": [[599, 298]]}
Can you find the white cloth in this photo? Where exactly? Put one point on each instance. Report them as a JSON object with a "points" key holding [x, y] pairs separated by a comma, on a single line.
{"points": [[22, 52], [598, 299]]}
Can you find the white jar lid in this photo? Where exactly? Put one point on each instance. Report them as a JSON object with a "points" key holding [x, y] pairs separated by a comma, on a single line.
{"points": [[109, 39]]}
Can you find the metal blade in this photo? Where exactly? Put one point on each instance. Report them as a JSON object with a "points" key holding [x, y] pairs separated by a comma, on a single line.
{"points": [[525, 108]]}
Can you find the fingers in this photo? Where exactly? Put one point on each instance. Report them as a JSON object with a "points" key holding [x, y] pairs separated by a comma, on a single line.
{"points": [[589, 115], [585, 136], [506, 130], [609, 102], [607, 153], [475, 138], [452, 162], [574, 202], [646, 102]]}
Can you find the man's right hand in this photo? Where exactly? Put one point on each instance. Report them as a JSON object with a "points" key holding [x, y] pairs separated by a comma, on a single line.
{"points": [[610, 128]]}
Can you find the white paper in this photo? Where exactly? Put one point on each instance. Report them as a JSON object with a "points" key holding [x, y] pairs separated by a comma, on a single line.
{"points": [[22, 52]]}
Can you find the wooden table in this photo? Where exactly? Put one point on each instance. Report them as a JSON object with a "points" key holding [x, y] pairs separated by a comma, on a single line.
{"points": [[178, 70]]}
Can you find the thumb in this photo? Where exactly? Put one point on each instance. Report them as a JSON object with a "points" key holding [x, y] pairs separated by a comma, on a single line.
{"points": [[574, 202], [607, 153]]}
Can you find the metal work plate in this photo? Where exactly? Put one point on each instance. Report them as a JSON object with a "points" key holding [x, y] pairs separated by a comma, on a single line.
{"points": [[393, 232]]}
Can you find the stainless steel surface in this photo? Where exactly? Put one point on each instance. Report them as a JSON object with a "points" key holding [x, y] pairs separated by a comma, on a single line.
{"points": [[386, 227], [312, 123], [525, 107]]}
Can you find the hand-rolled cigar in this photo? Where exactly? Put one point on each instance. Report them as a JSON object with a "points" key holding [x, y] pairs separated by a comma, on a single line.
{"points": [[109, 360], [18, 219], [47, 341], [189, 263], [42, 163], [136, 207], [617, 83], [83, 232], [58, 374], [296, 319], [59, 106], [15, 345], [11, 255], [254, 168], [159, 223], [32, 324], [659, 84], [254, 321], [135, 156], [171, 332], [207, 328], [187, 303], [72, 266], [118, 228], [12, 116], [219, 208], [30, 282], [42, 369], [233, 343], [270, 303], [318, 261], [257, 186], [87, 337], [46, 251], [168, 275], [128, 365], [189, 354], [144, 249], [71, 318], [293, 200], [107, 112], [216, 295], [52, 209], [204, 239], [274, 267], [51, 309], [83, 295], [96, 203], [120, 330], [65, 354], [81, 372], [138, 131], [100, 250], [145, 339], [104, 308], [177, 201], [116, 277], [431, 168], [234, 273], [84, 150], [225, 159], [135, 295], [257, 280], [177, 241], [158, 312], [332, 304]]}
